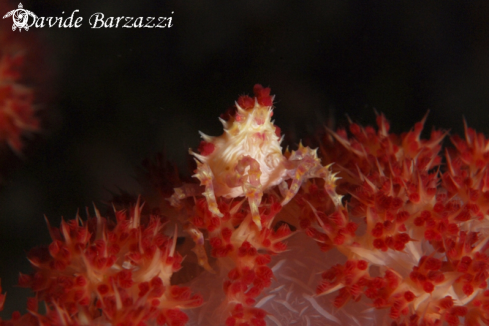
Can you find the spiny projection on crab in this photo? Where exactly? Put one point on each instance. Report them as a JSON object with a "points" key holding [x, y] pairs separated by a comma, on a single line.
{"points": [[247, 159]]}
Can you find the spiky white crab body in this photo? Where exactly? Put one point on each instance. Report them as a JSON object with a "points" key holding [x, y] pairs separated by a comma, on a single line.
{"points": [[249, 133], [247, 160]]}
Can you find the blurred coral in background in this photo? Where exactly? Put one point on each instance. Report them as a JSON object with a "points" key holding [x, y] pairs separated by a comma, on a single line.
{"points": [[24, 84], [17, 114]]}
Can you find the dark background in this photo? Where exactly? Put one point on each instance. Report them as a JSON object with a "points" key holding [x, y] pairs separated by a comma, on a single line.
{"points": [[112, 97]]}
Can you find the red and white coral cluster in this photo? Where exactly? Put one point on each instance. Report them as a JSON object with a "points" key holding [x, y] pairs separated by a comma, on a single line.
{"points": [[412, 233], [104, 272], [422, 250]]}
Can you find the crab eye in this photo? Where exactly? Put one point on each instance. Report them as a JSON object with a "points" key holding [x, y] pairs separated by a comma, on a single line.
{"points": [[259, 121], [260, 116]]}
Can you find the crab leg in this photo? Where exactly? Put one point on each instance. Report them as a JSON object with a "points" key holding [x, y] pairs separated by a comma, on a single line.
{"points": [[199, 248], [205, 175], [185, 191], [250, 183], [308, 167]]}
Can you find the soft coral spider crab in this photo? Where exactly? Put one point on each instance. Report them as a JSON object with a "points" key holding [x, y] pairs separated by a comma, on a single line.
{"points": [[247, 160]]}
